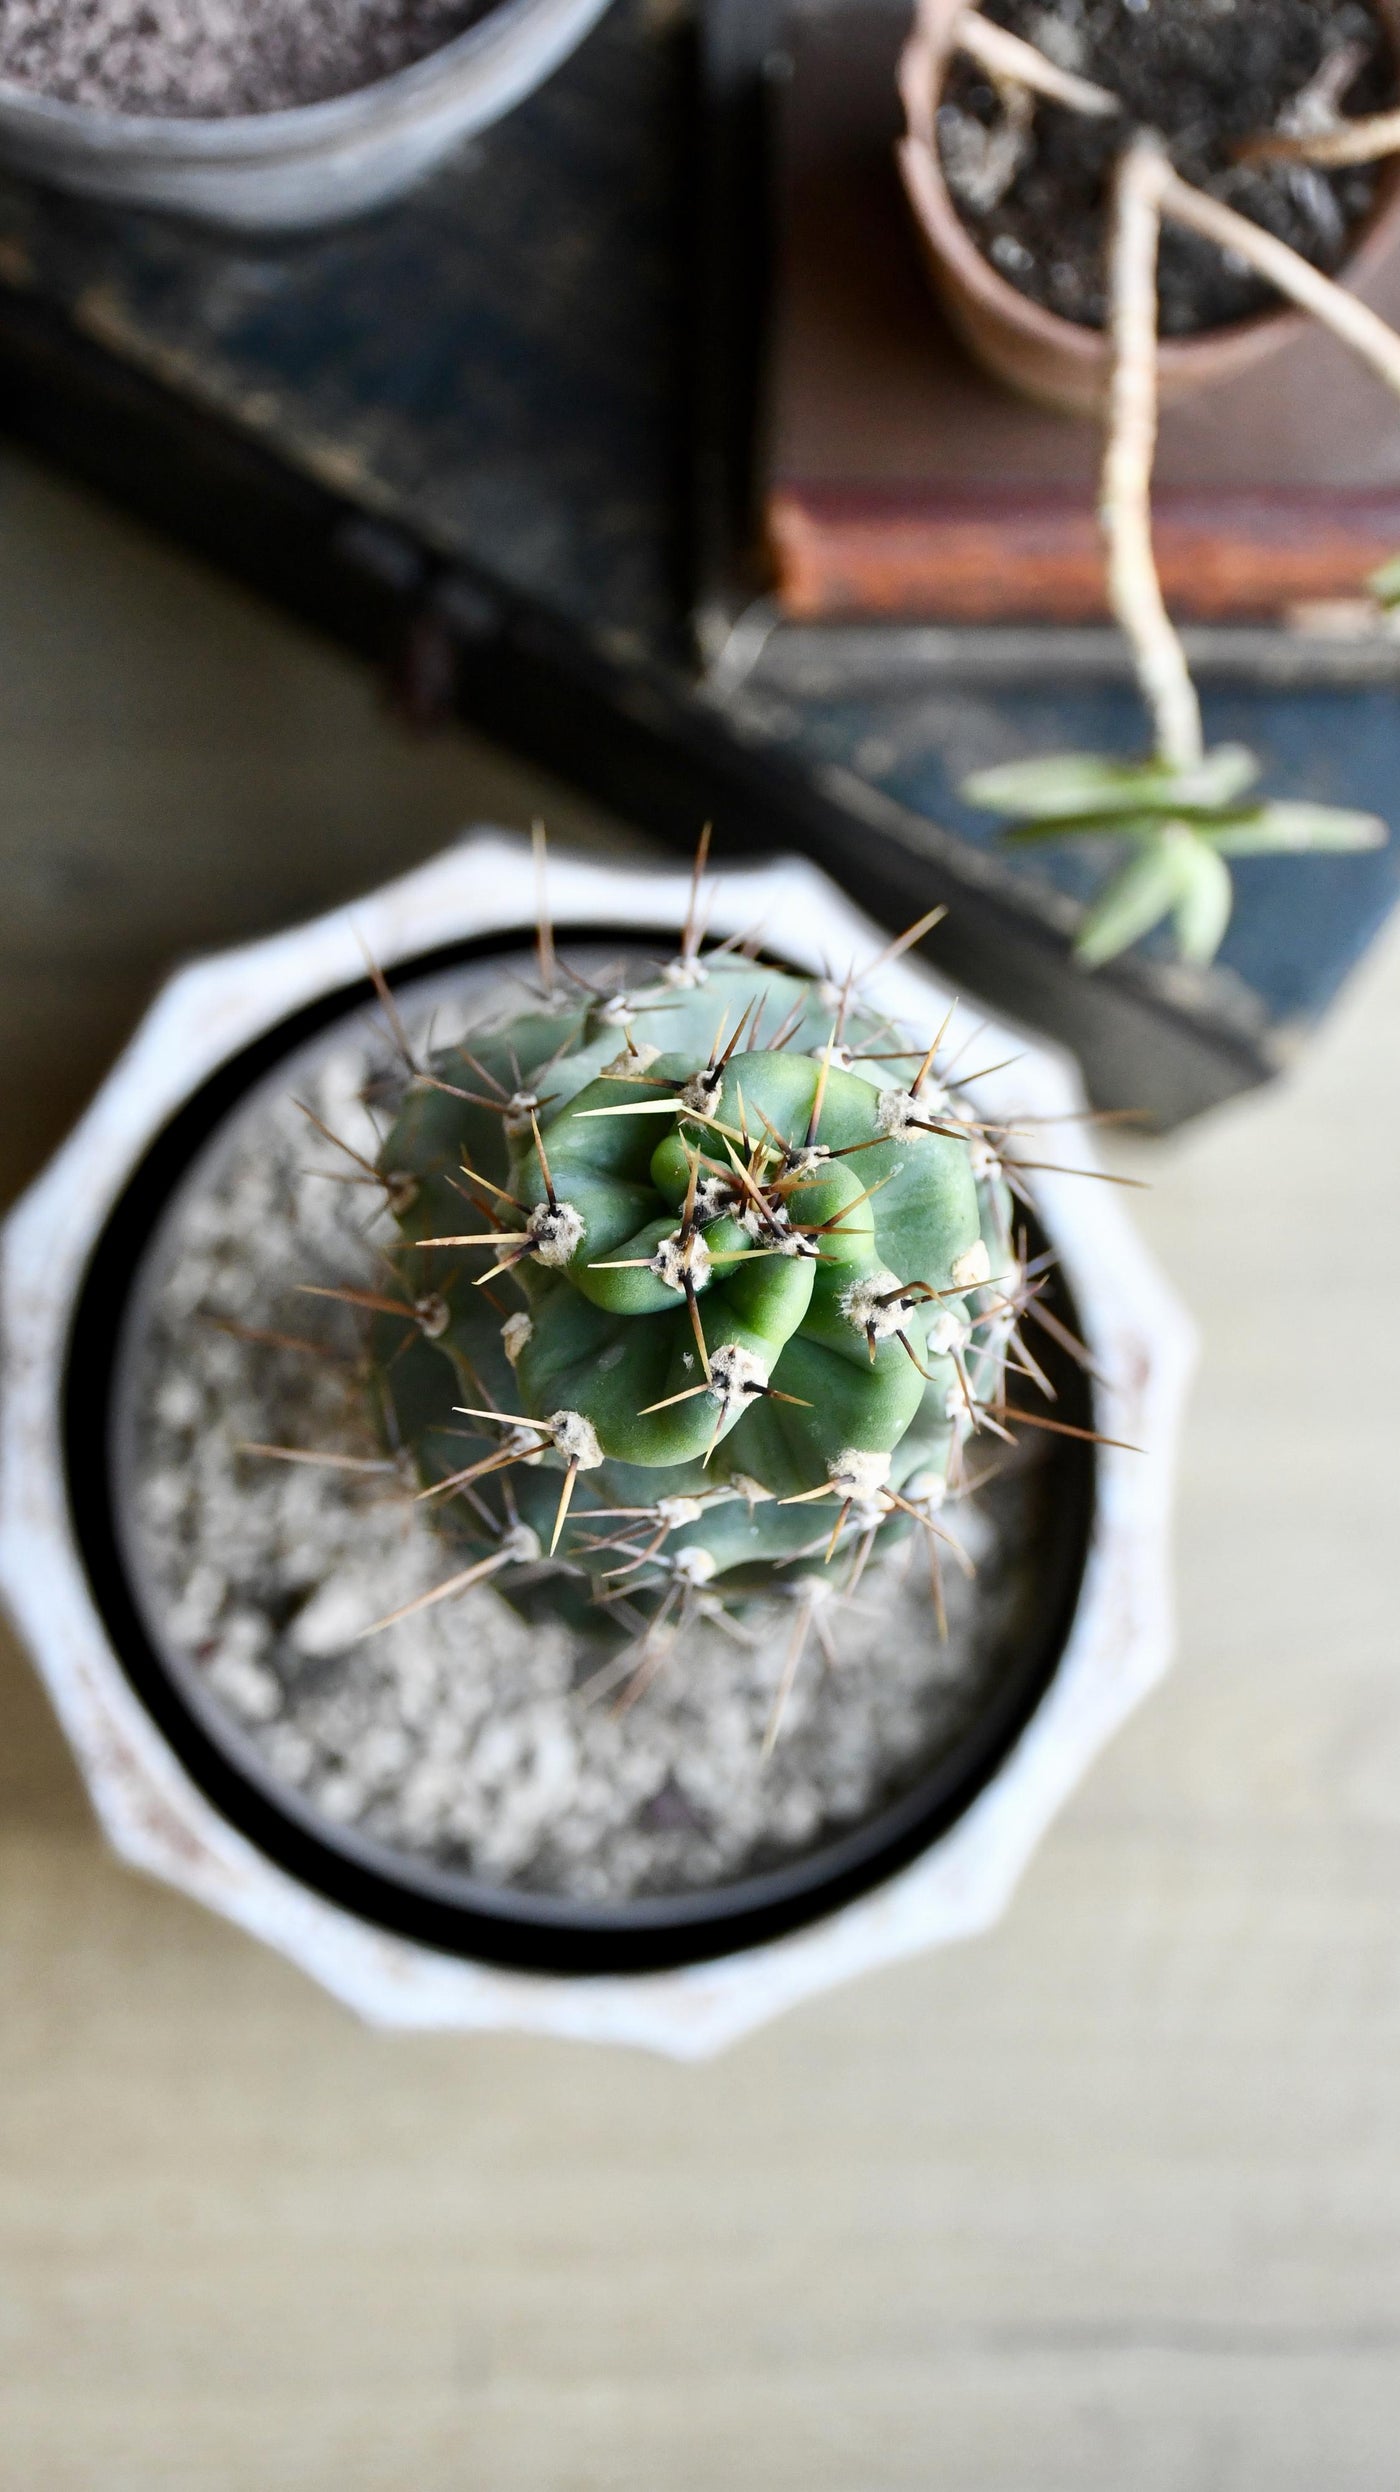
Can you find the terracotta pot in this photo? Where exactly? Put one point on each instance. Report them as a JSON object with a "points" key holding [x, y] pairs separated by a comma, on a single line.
{"points": [[1059, 362]]}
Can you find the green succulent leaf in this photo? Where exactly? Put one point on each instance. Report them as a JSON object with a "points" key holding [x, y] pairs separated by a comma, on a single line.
{"points": [[1129, 825], [1281, 828], [1384, 583], [1095, 789], [1134, 900], [1205, 895], [1172, 874], [1183, 824]]}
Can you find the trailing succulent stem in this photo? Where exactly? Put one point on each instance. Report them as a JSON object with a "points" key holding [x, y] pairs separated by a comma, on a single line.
{"points": [[1182, 814], [700, 1285]]}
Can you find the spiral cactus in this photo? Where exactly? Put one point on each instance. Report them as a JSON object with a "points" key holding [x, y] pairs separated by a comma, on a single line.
{"points": [[684, 1309]]}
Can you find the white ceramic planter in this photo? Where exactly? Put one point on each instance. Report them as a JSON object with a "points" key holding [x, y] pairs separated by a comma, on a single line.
{"points": [[158, 1820]]}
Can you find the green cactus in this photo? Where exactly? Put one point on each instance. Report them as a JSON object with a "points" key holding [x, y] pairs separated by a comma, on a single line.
{"points": [[706, 1305]]}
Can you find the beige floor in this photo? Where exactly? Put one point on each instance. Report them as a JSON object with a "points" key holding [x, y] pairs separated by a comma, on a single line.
{"points": [[1107, 2203]]}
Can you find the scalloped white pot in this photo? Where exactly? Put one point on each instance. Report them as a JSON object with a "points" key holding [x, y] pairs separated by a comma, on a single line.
{"points": [[157, 1819]]}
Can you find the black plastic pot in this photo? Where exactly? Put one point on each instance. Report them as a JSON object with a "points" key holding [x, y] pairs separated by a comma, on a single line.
{"points": [[451, 1913]]}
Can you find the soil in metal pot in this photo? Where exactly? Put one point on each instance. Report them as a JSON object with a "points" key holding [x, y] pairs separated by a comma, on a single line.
{"points": [[1208, 74], [208, 59], [465, 1738]]}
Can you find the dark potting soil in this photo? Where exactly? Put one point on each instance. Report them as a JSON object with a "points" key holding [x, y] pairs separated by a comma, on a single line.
{"points": [[1207, 74], [187, 59]]}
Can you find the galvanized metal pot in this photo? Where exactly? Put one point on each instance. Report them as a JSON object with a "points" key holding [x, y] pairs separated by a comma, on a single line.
{"points": [[311, 165]]}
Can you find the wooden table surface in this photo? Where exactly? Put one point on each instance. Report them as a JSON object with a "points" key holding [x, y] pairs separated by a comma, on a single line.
{"points": [[1108, 2202]]}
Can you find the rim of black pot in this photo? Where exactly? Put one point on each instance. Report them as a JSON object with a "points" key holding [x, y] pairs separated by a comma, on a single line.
{"points": [[445, 1910]]}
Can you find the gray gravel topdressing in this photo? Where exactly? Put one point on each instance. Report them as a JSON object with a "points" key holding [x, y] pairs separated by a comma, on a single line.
{"points": [[213, 58], [465, 1737]]}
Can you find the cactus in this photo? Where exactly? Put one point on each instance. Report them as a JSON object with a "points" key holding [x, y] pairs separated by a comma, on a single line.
{"points": [[701, 1285]]}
